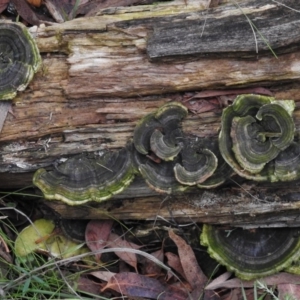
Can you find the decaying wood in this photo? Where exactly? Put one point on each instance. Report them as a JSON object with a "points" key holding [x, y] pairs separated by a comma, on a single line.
{"points": [[102, 74], [246, 205]]}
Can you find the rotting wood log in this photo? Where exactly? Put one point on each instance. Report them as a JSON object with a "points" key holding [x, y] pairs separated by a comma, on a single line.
{"points": [[101, 74], [245, 205]]}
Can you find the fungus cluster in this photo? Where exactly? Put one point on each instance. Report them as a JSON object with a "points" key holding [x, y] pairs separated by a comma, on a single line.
{"points": [[19, 59], [168, 160], [257, 139], [179, 160]]}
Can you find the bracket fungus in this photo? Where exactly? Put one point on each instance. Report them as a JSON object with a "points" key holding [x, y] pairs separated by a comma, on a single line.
{"points": [[81, 179], [196, 166], [255, 130], [165, 119], [163, 146], [19, 59], [256, 141], [252, 253], [161, 177]]}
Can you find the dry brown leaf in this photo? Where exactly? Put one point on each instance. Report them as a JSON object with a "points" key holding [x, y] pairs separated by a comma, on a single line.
{"points": [[193, 273], [3, 5], [291, 290], [96, 235], [103, 275], [219, 280], [174, 263], [135, 285], [280, 278], [212, 295], [115, 241], [150, 267], [89, 286], [26, 12], [91, 8]]}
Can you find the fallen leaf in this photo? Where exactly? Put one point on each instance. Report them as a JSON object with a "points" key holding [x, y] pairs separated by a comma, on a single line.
{"points": [[3, 5], [212, 295], [103, 275], [135, 285], [150, 267], [174, 263], [26, 12], [96, 235], [280, 278], [87, 285], [288, 290], [219, 280], [115, 241], [193, 273]]}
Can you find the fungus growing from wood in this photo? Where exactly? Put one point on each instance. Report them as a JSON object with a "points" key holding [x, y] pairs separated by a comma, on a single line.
{"points": [[143, 131], [167, 120], [196, 166], [255, 129], [252, 253], [164, 146], [19, 59], [81, 179], [161, 177], [287, 163]]}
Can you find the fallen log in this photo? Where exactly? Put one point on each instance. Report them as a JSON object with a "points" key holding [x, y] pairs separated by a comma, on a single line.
{"points": [[100, 75]]}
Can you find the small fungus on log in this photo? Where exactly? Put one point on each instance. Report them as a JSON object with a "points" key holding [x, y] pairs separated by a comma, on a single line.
{"points": [[252, 253], [81, 179], [19, 59], [255, 130]]}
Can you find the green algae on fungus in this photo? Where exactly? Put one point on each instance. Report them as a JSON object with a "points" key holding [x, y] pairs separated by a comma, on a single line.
{"points": [[255, 130], [19, 59], [160, 177], [252, 253], [164, 147], [81, 179], [166, 118], [196, 166]]}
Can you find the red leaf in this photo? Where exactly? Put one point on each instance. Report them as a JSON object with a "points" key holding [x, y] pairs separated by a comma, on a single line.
{"points": [[135, 285], [115, 241], [87, 285], [280, 278], [174, 263], [3, 5], [288, 290], [150, 267], [96, 235], [26, 12], [192, 270]]}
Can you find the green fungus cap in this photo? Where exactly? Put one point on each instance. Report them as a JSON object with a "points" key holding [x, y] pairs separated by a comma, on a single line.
{"points": [[196, 166], [252, 253], [19, 59], [81, 179], [255, 130]]}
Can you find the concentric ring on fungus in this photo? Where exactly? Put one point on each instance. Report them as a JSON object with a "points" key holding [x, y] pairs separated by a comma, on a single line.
{"points": [[19, 59]]}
